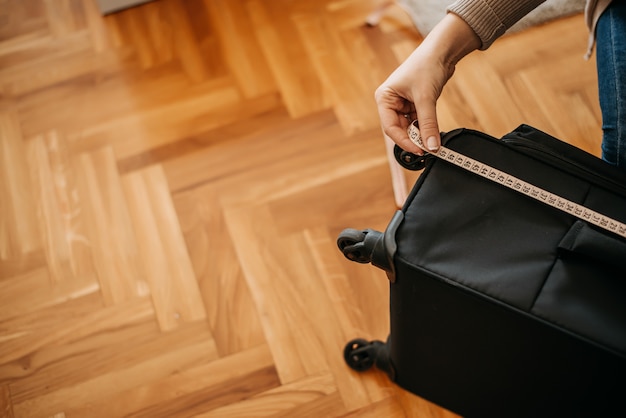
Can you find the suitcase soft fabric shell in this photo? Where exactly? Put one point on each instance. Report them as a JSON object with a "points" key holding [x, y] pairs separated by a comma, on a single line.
{"points": [[502, 306]]}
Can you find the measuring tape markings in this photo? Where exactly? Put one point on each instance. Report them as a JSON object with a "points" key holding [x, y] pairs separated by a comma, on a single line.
{"points": [[520, 186]]}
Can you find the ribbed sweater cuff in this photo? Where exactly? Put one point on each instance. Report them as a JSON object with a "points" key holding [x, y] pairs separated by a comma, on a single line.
{"points": [[491, 18]]}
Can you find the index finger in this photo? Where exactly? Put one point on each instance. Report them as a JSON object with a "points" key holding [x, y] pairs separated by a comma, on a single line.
{"points": [[395, 126]]}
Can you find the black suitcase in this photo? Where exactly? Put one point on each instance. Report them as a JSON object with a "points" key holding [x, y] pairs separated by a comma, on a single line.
{"points": [[503, 305]]}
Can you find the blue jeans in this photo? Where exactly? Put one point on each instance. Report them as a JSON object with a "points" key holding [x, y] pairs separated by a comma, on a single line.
{"points": [[611, 63]]}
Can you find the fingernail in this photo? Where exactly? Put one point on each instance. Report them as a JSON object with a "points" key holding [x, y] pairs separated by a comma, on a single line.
{"points": [[431, 143]]}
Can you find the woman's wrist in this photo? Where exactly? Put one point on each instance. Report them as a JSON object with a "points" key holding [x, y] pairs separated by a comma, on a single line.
{"points": [[451, 39]]}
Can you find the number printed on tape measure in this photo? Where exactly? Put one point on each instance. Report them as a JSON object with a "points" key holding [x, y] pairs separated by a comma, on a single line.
{"points": [[521, 186]]}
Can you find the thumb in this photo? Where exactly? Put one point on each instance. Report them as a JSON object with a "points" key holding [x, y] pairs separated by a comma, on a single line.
{"points": [[428, 126]]}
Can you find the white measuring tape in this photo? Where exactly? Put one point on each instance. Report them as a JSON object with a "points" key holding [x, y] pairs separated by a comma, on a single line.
{"points": [[520, 186]]}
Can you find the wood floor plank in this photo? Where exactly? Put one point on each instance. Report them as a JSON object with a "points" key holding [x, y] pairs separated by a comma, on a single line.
{"points": [[290, 164], [242, 50], [385, 408], [259, 260], [101, 39], [415, 406], [109, 351], [65, 17], [207, 386], [116, 381], [294, 297], [35, 290], [65, 322], [291, 66], [496, 117], [21, 243], [164, 255], [24, 264], [6, 407], [191, 51], [312, 396], [28, 17], [332, 56], [350, 315], [19, 227], [59, 208], [573, 114], [65, 67], [150, 127], [146, 33], [110, 231], [33, 55], [248, 148], [358, 206], [230, 308]]}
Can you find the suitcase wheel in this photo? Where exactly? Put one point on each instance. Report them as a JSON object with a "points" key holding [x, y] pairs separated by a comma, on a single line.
{"points": [[351, 244], [361, 354], [409, 160]]}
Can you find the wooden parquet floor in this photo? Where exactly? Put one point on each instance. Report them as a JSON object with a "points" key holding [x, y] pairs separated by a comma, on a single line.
{"points": [[172, 182]]}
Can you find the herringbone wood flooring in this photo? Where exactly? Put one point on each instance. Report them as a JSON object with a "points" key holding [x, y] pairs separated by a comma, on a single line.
{"points": [[172, 181]]}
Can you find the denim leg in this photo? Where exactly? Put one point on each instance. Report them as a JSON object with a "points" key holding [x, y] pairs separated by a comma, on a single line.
{"points": [[611, 63]]}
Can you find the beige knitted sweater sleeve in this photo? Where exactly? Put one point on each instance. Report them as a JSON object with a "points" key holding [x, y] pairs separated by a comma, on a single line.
{"points": [[491, 18]]}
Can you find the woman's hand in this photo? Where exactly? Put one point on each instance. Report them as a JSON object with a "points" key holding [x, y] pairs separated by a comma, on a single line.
{"points": [[412, 90]]}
